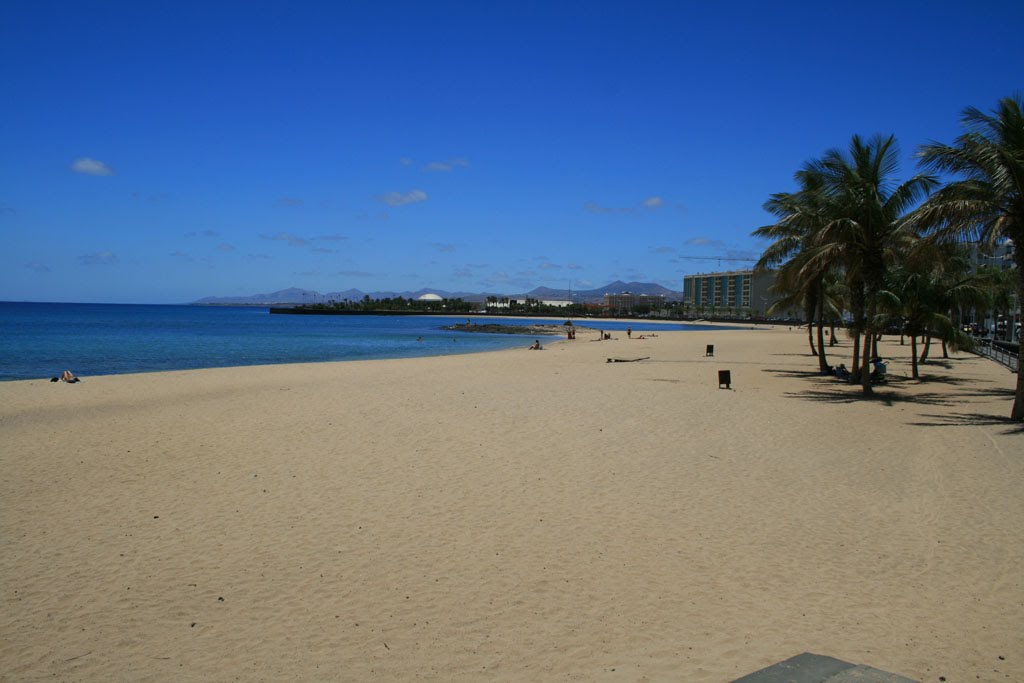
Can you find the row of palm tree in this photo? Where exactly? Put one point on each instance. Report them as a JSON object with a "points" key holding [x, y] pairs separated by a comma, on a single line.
{"points": [[851, 238]]}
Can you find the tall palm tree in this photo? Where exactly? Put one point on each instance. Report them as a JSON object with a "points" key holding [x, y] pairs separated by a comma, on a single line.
{"points": [[866, 230], [922, 291], [800, 217], [986, 202]]}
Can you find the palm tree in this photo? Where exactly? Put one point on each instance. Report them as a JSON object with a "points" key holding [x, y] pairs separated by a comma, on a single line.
{"points": [[801, 216], [865, 229], [923, 290], [986, 203]]}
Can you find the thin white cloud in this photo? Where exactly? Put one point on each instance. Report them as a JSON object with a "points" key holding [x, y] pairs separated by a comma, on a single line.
{"points": [[549, 266], [443, 166], [649, 203], [665, 250], [290, 201], [91, 167], [574, 266], [7, 210], [38, 267], [332, 238], [399, 199], [99, 258], [224, 246], [654, 202], [203, 233], [594, 207], [406, 161], [292, 240], [443, 247], [354, 273], [703, 242]]}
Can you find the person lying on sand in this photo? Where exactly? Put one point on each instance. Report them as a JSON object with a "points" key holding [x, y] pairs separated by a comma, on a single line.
{"points": [[69, 377]]}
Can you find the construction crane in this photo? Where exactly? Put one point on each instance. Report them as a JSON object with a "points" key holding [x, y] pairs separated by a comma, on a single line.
{"points": [[718, 258]]}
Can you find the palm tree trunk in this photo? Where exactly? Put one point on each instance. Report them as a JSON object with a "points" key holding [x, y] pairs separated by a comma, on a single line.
{"points": [[865, 370], [832, 339], [823, 367], [1017, 412], [913, 357], [927, 348], [856, 352], [810, 337], [945, 350]]}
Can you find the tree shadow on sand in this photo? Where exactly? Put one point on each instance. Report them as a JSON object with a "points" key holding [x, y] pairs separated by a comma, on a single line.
{"points": [[971, 419], [852, 394], [828, 389]]}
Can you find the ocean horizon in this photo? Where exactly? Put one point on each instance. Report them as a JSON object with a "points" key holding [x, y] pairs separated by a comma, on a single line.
{"points": [[40, 340]]}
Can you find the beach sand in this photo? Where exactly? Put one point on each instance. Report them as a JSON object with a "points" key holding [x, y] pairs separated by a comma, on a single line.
{"points": [[514, 516]]}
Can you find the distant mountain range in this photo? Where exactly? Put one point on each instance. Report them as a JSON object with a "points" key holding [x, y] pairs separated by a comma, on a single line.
{"points": [[295, 296]]}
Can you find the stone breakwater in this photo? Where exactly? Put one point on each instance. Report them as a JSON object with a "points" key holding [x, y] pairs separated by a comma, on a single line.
{"points": [[491, 328]]}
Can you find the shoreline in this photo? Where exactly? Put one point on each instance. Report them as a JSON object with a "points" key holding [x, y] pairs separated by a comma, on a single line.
{"points": [[514, 516], [435, 343]]}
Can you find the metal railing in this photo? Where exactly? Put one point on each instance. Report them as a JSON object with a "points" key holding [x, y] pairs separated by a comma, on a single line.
{"points": [[985, 347]]}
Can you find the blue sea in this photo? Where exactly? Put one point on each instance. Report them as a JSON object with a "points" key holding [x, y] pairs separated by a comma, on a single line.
{"points": [[39, 340]]}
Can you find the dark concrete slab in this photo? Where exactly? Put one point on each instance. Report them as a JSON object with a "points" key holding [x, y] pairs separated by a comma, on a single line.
{"points": [[867, 674], [812, 668]]}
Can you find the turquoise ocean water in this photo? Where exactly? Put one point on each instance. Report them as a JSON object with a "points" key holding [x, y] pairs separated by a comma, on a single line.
{"points": [[39, 340]]}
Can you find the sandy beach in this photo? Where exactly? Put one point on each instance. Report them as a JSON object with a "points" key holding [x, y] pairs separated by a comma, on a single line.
{"points": [[515, 516]]}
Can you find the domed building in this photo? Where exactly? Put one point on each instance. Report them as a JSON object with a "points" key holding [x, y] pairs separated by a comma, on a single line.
{"points": [[429, 296]]}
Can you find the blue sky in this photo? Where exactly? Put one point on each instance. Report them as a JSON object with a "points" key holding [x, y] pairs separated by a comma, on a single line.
{"points": [[165, 151]]}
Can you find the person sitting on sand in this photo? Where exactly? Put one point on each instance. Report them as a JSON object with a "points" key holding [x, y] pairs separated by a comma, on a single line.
{"points": [[69, 377], [841, 372], [536, 346], [879, 368]]}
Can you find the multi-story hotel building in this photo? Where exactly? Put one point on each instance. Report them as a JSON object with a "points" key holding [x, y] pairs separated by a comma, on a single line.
{"points": [[740, 291]]}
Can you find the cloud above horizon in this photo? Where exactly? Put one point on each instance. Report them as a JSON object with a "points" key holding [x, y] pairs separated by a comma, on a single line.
{"points": [[650, 203], [704, 242], [399, 199], [38, 267], [89, 166], [99, 258], [292, 240], [444, 166], [443, 247], [290, 201]]}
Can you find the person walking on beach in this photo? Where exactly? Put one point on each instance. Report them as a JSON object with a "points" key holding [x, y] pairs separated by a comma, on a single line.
{"points": [[629, 332]]}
